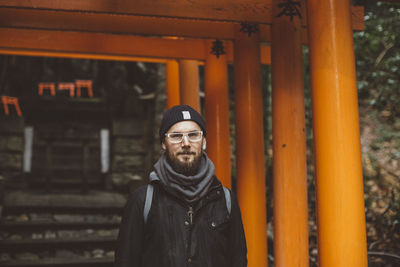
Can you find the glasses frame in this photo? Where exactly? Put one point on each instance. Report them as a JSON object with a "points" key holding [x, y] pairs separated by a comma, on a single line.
{"points": [[183, 136]]}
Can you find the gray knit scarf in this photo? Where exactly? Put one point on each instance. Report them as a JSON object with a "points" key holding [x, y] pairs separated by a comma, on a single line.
{"points": [[189, 188]]}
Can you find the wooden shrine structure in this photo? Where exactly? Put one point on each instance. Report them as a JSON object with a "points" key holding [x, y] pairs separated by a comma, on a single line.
{"points": [[246, 33]]}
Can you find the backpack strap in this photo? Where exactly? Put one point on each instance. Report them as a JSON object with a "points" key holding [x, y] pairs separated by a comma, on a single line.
{"points": [[149, 200], [228, 199], [147, 203]]}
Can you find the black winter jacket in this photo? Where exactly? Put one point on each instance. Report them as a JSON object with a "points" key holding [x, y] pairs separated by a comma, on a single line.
{"points": [[177, 235]]}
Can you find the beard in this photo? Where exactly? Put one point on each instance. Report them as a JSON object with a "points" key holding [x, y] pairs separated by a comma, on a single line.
{"points": [[187, 168]]}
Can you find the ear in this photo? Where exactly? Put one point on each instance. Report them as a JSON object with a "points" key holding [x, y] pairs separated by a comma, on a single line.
{"points": [[204, 144], [163, 146]]}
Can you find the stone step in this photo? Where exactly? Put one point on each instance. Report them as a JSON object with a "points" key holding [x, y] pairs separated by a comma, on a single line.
{"points": [[76, 182], [67, 167], [36, 245], [13, 226], [67, 209], [100, 202], [59, 229], [61, 262], [91, 177], [70, 144]]}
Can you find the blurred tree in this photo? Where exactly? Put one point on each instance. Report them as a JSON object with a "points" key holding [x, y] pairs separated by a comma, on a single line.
{"points": [[378, 58], [377, 50]]}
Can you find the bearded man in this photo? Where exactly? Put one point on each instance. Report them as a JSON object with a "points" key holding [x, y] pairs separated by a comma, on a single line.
{"points": [[184, 217]]}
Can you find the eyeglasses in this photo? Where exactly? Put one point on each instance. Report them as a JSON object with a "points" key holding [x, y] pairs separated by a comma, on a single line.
{"points": [[176, 138]]}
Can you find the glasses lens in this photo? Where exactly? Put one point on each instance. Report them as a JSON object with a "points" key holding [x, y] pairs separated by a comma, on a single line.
{"points": [[175, 137], [195, 136]]}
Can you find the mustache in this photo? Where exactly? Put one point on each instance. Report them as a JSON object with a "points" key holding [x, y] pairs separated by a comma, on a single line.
{"points": [[187, 152]]}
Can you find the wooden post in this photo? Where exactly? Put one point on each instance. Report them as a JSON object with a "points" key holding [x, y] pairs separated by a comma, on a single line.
{"points": [[217, 114], [250, 159], [172, 83], [189, 83], [289, 142], [339, 180]]}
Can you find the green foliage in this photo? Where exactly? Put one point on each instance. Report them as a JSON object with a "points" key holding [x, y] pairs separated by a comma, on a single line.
{"points": [[378, 59], [377, 51]]}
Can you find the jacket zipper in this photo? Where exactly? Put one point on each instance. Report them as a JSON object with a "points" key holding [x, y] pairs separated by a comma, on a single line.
{"points": [[190, 215]]}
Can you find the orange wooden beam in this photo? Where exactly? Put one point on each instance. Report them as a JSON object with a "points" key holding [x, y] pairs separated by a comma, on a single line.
{"points": [[250, 159], [97, 43], [289, 144], [115, 23], [217, 114], [122, 24], [34, 53], [254, 11], [234, 10], [107, 46], [337, 148]]}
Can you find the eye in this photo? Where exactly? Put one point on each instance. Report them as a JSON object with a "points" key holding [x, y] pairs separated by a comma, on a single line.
{"points": [[194, 135], [176, 135]]}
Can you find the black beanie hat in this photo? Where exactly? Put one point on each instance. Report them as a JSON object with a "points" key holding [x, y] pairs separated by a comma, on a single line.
{"points": [[180, 113]]}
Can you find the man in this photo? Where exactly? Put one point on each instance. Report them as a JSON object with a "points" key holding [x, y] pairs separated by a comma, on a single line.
{"points": [[189, 221]]}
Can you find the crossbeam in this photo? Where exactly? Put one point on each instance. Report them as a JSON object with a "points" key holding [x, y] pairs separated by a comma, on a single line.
{"points": [[257, 11], [22, 15], [107, 46]]}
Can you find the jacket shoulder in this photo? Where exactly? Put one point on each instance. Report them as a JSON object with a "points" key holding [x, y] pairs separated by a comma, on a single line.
{"points": [[136, 198]]}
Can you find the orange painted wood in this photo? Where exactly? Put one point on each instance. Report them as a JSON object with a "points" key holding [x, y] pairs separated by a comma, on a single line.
{"points": [[250, 159], [224, 10], [115, 23], [172, 83], [9, 100], [67, 87], [255, 11], [189, 83], [217, 114], [265, 54], [339, 180], [97, 43], [113, 47], [289, 143], [41, 53], [80, 84], [47, 86], [122, 24]]}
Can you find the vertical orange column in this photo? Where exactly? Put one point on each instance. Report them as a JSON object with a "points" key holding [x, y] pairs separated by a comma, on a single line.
{"points": [[340, 197], [289, 142], [217, 114], [250, 166], [172, 83], [189, 83]]}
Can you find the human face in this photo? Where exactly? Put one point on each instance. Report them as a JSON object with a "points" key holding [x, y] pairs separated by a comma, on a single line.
{"points": [[184, 157]]}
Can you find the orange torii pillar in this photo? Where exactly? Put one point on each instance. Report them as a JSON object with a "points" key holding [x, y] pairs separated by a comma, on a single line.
{"points": [[289, 142], [217, 114], [338, 168], [172, 83], [250, 159], [189, 83]]}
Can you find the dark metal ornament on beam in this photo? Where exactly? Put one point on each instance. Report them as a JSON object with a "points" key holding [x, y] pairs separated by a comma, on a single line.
{"points": [[290, 8], [249, 28], [218, 48]]}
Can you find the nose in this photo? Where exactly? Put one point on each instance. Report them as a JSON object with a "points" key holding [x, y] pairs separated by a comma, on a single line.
{"points": [[185, 141]]}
